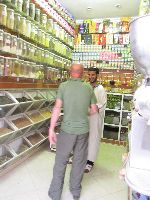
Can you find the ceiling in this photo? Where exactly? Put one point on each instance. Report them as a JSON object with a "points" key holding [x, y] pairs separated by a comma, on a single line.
{"points": [[101, 8]]}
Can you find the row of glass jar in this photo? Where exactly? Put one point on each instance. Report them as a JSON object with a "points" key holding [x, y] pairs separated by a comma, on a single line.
{"points": [[11, 44], [27, 28], [14, 67]]}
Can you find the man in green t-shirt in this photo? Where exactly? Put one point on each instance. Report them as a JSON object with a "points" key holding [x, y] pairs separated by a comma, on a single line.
{"points": [[77, 99]]}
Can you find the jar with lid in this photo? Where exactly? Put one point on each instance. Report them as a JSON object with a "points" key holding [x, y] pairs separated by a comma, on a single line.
{"points": [[36, 34], [43, 38], [19, 46], [49, 25], [1, 65], [24, 49], [32, 10], [37, 15], [22, 28], [43, 20], [32, 35], [30, 64], [46, 56], [13, 46], [43, 55], [28, 49], [3, 14], [32, 52], [1, 39], [25, 7], [14, 2], [62, 33], [47, 40], [7, 42], [19, 5], [28, 28], [10, 18], [16, 22], [7, 66], [16, 68], [55, 28], [39, 36]]}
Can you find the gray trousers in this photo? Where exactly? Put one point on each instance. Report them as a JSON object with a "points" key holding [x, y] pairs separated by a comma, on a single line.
{"points": [[66, 143]]}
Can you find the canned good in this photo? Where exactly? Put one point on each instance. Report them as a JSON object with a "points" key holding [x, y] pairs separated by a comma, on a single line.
{"points": [[37, 15], [28, 28], [13, 47], [16, 22], [32, 10], [1, 39], [43, 20], [1, 65], [3, 14], [25, 7], [19, 5], [7, 42], [10, 18], [22, 28]]}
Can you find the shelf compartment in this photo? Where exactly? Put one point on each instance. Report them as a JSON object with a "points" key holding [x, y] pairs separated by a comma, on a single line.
{"points": [[111, 132], [5, 156], [23, 99], [20, 121], [7, 103], [35, 116], [124, 133], [114, 101], [37, 98], [45, 113], [19, 146], [6, 131], [124, 120], [127, 102], [112, 117], [35, 138], [44, 132]]}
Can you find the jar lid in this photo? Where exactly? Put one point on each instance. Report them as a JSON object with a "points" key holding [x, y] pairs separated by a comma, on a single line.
{"points": [[3, 5], [9, 9]]}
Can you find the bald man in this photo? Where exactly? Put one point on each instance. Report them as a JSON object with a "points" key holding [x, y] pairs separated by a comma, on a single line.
{"points": [[76, 97]]}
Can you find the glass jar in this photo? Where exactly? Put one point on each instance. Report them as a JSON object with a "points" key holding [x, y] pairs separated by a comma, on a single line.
{"points": [[7, 66], [14, 2], [32, 52], [43, 55], [22, 28], [49, 25], [19, 5], [28, 49], [3, 14], [10, 18], [7, 42], [28, 28], [32, 10], [36, 34], [16, 22], [47, 40], [32, 35], [25, 7], [43, 38], [43, 20], [37, 15], [13, 47], [19, 46], [24, 49], [1, 65], [39, 36], [1, 39]]}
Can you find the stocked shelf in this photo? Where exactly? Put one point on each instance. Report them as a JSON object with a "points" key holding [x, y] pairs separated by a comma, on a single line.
{"points": [[115, 121], [25, 126]]}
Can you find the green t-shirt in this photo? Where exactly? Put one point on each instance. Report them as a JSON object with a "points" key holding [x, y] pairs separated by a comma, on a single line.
{"points": [[77, 96]]}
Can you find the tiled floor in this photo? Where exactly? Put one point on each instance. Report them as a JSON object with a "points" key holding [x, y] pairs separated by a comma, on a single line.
{"points": [[31, 179]]}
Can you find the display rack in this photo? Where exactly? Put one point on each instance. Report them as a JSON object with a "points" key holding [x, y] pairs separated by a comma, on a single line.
{"points": [[115, 122], [24, 124]]}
